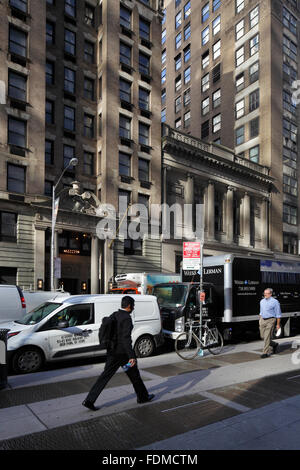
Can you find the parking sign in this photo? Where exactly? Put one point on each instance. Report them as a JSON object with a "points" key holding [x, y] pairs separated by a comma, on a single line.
{"points": [[191, 256]]}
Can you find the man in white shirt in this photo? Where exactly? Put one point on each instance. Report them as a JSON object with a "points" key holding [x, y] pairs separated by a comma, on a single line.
{"points": [[270, 314]]}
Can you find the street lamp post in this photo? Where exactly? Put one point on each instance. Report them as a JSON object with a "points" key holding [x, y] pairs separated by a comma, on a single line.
{"points": [[72, 162]]}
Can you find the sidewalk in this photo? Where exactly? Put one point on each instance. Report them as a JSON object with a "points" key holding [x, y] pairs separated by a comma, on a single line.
{"points": [[232, 401]]}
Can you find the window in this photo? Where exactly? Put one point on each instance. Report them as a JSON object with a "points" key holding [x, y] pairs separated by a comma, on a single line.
{"points": [[254, 154], [254, 128], [290, 49], [49, 72], [240, 82], [289, 21], [239, 5], [125, 127], [17, 42], [143, 169], [178, 123], [16, 132], [216, 123], [144, 134], [254, 100], [177, 62], [49, 152], [49, 112], [89, 52], [19, 5], [205, 60], [240, 135], [125, 90], [290, 185], [239, 56], [290, 157], [70, 8], [216, 25], [144, 64], [163, 96], [89, 15], [125, 54], [239, 30], [204, 129], [290, 214], [70, 42], [240, 109], [254, 16], [88, 91], [163, 56], [205, 82], [8, 226], [205, 12], [187, 75], [216, 73], [69, 80], [216, 4], [187, 53], [178, 40], [125, 17], [145, 29], [16, 178], [187, 97], [178, 20], [88, 129], [124, 164], [69, 153], [288, 102], [205, 36], [205, 106], [163, 75], [178, 83], [178, 104], [217, 49], [290, 243], [254, 45], [17, 86], [254, 72], [50, 33], [187, 10], [216, 98], [69, 118], [187, 119], [187, 32], [290, 131], [144, 99]]}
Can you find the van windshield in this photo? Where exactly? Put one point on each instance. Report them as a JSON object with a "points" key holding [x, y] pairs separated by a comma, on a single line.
{"points": [[40, 312], [170, 296]]}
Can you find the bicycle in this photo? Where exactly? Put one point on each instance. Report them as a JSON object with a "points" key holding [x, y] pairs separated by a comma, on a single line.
{"points": [[188, 344]]}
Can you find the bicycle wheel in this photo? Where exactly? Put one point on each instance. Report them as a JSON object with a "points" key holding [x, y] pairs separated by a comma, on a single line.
{"points": [[214, 341], [187, 346]]}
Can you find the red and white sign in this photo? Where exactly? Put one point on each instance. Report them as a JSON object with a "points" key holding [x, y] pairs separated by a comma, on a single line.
{"points": [[191, 256]]}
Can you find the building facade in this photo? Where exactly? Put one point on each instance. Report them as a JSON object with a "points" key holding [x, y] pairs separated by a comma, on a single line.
{"points": [[80, 79], [228, 69]]}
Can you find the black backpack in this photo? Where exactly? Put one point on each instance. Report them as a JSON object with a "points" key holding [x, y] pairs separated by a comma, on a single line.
{"points": [[108, 332]]}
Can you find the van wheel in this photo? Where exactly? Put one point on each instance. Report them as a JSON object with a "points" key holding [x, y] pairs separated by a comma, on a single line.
{"points": [[27, 360], [144, 346]]}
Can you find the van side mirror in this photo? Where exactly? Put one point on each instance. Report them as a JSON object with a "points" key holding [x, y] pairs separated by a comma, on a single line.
{"points": [[63, 324]]}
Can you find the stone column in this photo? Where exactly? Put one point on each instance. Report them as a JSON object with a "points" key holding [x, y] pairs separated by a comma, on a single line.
{"points": [[229, 214], [246, 219], [39, 258], [108, 263], [188, 211], [95, 266], [211, 210], [264, 222]]}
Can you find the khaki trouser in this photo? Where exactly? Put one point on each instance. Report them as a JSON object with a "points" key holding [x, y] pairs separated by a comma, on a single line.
{"points": [[266, 328]]}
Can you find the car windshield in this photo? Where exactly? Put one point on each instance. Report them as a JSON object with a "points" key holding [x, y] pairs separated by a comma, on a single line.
{"points": [[170, 296], [40, 312]]}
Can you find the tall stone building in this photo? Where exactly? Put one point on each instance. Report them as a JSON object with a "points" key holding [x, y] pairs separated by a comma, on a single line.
{"points": [[81, 79], [228, 69]]}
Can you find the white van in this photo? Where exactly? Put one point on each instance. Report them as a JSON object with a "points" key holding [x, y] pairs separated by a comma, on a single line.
{"points": [[68, 329], [12, 303], [35, 298]]}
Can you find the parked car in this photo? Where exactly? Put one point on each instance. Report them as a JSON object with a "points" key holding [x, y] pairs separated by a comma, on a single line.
{"points": [[12, 303], [67, 328]]}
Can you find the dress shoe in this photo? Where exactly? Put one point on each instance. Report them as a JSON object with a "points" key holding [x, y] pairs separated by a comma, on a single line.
{"points": [[263, 356], [275, 348], [145, 400], [90, 405]]}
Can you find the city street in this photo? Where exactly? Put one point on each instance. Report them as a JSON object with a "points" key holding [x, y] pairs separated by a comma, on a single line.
{"points": [[233, 401]]}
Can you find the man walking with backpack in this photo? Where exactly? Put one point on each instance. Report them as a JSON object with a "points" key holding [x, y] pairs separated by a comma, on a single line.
{"points": [[119, 353]]}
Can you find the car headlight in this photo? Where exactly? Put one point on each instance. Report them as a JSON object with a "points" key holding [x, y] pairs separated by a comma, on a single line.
{"points": [[179, 324], [14, 333]]}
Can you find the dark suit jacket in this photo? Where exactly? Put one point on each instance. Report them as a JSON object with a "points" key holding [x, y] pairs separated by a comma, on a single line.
{"points": [[124, 329]]}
